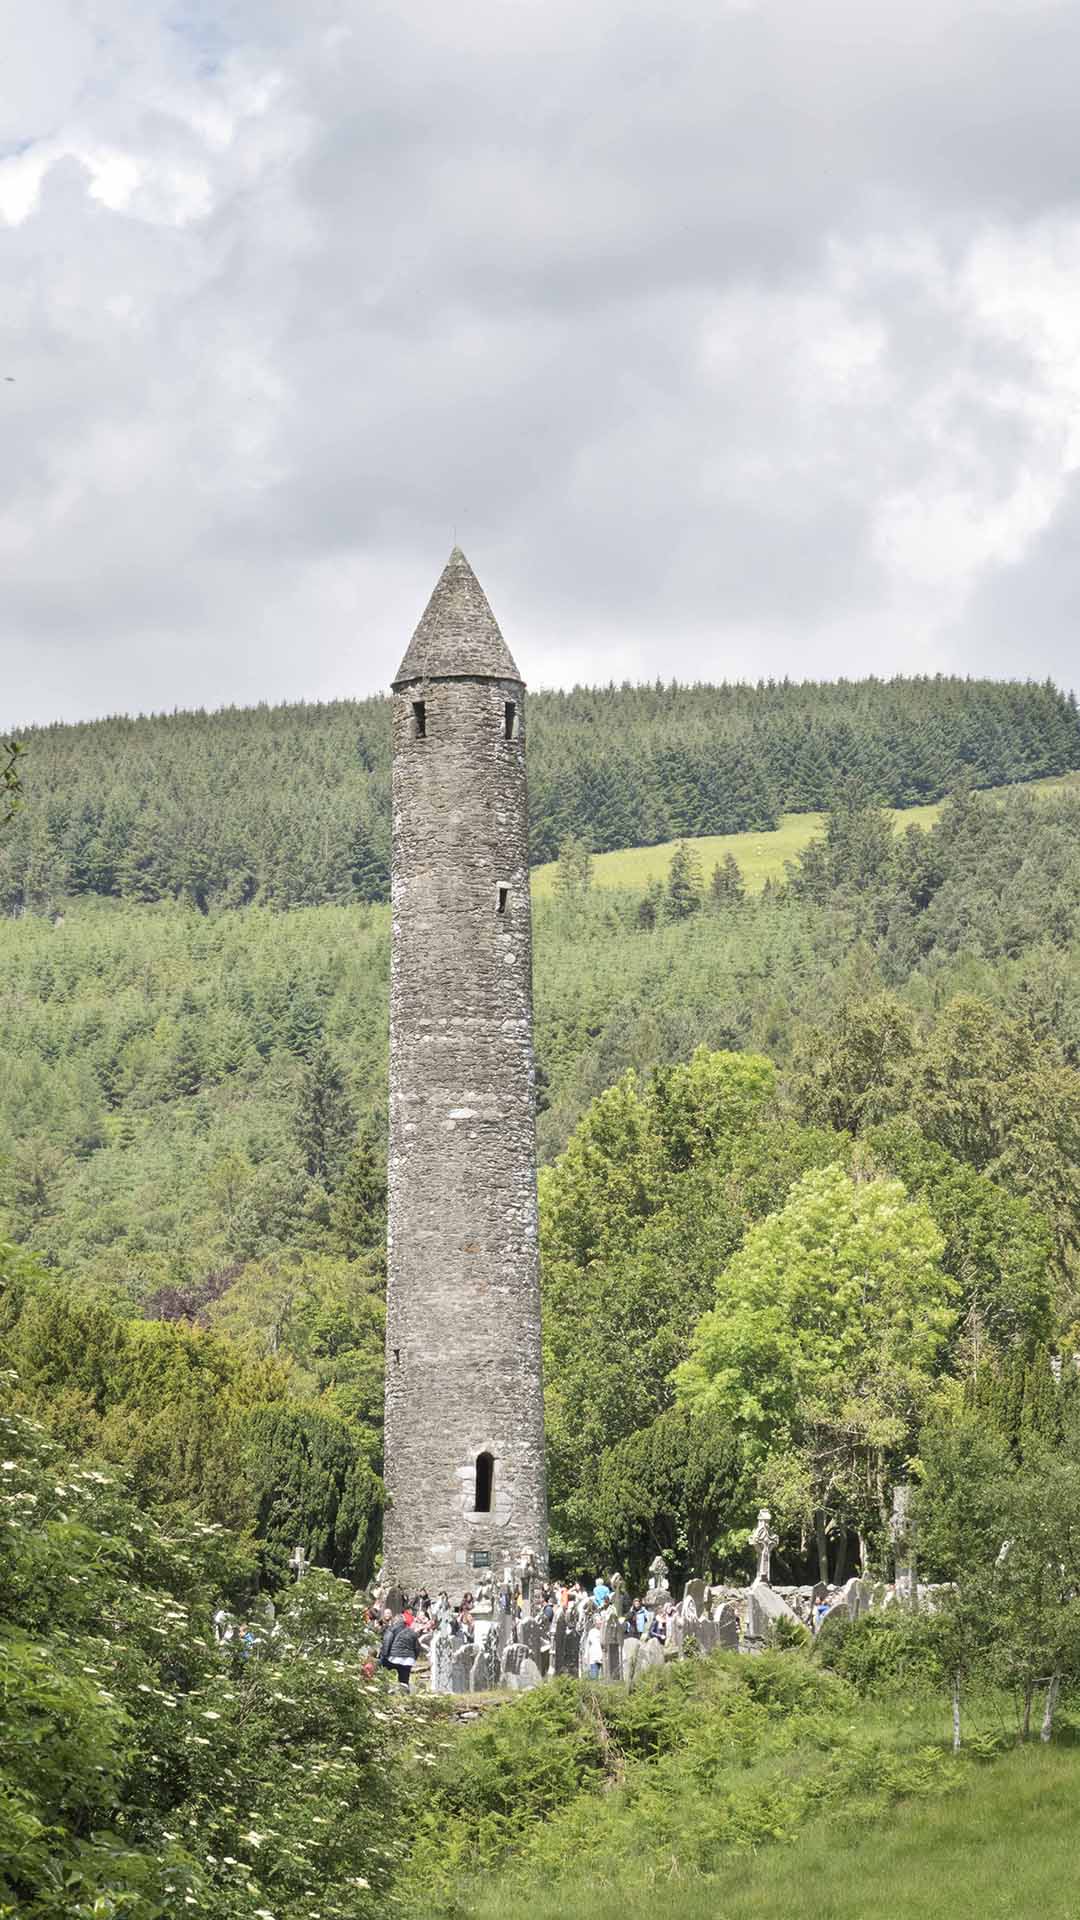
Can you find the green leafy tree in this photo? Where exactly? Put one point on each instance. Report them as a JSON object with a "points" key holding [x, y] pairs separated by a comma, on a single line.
{"points": [[828, 1327]]}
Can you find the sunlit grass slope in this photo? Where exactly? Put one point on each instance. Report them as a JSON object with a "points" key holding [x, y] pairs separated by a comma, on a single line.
{"points": [[761, 856], [1002, 1844]]}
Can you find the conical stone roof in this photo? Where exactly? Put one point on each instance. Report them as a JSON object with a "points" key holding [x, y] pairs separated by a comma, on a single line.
{"points": [[458, 636]]}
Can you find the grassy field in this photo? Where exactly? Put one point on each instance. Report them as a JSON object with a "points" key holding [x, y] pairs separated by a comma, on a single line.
{"points": [[1002, 1844], [761, 856]]}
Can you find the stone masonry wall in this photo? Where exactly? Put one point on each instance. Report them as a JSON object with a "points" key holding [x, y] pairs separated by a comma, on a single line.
{"points": [[463, 1311]]}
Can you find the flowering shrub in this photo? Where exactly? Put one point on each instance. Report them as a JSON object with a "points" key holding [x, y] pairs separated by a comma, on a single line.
{"points": [[146, 1771]]}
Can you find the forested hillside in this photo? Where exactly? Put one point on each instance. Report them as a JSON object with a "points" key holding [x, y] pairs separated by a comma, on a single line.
{"points": [[290, 805], [193, 1107]]}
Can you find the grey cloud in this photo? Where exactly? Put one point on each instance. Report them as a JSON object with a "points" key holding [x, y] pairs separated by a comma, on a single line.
{"points": [[666, 311]]}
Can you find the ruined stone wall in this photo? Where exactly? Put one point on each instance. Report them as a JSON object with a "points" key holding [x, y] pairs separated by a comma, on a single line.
{"points": [[463, 1313]]}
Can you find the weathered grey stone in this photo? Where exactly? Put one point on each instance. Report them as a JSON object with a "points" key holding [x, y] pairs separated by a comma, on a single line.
{"points": [[763, 1539], [612, 1633], [727, 1629], [765, 1608], [464, 1441], [488, 1671], [704, 1632], [853, 1598], [530, 1635], [695, 1591], [519, 1670], [565, 1646], [676, 1632], [440, 1661], [902, 1530], [651, 1655], [631, 1659], [462, 1663]]}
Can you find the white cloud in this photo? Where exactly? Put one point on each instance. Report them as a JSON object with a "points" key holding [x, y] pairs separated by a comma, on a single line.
{"points": [[729, 340]]}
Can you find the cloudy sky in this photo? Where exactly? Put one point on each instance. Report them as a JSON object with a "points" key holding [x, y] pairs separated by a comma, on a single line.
{"points": [[728, 339]]}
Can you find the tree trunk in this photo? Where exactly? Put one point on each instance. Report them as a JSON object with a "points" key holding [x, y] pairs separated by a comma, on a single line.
{"points": [[822, 1539], [1052, 1692], [1025, 1723], [956, 1713], [864, 1556]]}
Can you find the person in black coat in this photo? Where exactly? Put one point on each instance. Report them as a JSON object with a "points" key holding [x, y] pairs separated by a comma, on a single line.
{"points": [[400, 1649]]}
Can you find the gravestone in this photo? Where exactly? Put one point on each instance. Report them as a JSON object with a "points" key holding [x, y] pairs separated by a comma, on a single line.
{"points": [[651, 1654], [676, 1631], [462, 1663], [530, 1635], [695, 1591], [902, 1531], [704, 1632], [519, 1670], [765, 1608], [659, 1582], [727, 1629], [853, 1600], [441, 1660], [565, 1646], [612, 1635], [488, 1670]]}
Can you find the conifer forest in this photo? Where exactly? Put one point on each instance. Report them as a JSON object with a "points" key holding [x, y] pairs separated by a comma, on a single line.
{"points": [[810, 1224]]}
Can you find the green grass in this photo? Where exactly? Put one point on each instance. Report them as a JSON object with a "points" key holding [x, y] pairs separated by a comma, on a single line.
{"points": [[761, 856], [1002, 1844]]}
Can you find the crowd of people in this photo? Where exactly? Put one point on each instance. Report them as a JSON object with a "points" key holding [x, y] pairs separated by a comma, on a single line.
{"points": [[407, 1633]]}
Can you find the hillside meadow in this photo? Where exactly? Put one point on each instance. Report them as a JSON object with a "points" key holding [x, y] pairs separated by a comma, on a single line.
{"points": [[760, 856]]}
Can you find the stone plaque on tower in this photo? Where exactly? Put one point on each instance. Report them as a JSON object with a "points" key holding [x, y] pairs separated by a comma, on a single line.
{"points": [[464, 1437]]}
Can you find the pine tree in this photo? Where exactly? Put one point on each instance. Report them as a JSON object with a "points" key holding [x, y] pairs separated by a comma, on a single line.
{"points": [[726, 887], [358, 1210], [684, 883], [325, 1120]]}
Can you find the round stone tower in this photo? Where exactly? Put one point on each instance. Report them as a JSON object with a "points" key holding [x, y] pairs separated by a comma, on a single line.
{"points": [[464, 1388]]}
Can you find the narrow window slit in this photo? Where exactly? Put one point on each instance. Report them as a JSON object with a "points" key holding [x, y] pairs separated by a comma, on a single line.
{"points": [[510, 720], [419, 709], [485, 1482], [504, 895]]}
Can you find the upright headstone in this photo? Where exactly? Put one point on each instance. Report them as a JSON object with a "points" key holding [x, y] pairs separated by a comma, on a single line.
{"points": [[488, 1672], [612, 1635], [530, 1636], [519, 1670], [565, 1645], [441, 1661], [765, 1608], [651, 1655], [903, 1546], [462, 1662], [631, 1660], [704, 1631], [727, 1629], [695, 1591]]}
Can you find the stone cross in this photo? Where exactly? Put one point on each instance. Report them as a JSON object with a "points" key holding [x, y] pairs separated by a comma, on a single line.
{"points": [[764, 1539], [659, 1578], [299, 1561]]}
